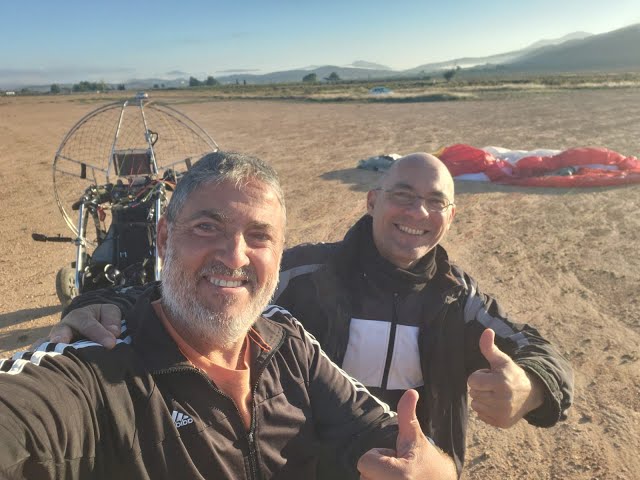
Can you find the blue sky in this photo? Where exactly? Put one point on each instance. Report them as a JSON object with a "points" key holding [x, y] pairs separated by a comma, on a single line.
{"points": [[68, 41]]}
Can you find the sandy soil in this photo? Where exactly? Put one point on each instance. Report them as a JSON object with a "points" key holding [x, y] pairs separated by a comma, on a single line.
{"points": [[566, 261]]}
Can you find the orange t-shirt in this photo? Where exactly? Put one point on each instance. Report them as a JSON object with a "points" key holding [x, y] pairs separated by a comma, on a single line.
{"points": [[234, 383]]}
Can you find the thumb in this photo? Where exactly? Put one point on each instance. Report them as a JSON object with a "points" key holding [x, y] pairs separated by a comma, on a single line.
{"points": [[409, 431], [496, 357]]}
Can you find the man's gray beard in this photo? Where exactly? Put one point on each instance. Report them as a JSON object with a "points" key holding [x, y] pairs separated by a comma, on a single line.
{"points": [[186, 312]]}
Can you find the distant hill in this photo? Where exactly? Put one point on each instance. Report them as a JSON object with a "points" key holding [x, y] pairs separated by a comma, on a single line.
{"points": [[369, 65], [464, 62], [498, 59], [618, 50], [557, 41]]}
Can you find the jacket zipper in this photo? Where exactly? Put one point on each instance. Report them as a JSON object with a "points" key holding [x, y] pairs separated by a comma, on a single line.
{"points": [[251, 438], [392, 340], [251, 443]]}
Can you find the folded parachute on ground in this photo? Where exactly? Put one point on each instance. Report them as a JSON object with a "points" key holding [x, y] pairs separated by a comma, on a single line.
{"points": [[576, 167]]}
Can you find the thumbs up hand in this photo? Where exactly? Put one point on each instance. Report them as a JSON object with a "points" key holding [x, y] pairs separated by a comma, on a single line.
{"points": [[413, 458], [503, 393]]}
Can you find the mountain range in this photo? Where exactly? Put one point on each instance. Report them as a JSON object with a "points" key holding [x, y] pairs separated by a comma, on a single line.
{"points": [[578, 52], [615, 51]]}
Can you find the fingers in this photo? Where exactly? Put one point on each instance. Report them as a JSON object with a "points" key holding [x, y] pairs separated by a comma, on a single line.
{"points": [[482, 380], [485, 412], [496, 420], [499, 401], [489, 420], [485, 381], [483, 396], [496, 414], [483, 408], [84, 322], [111, 318], [377, 463], [61, 333]]}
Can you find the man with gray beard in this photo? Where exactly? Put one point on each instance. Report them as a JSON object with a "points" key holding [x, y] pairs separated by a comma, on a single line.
{"points": [[207, 381], [179, 300]]}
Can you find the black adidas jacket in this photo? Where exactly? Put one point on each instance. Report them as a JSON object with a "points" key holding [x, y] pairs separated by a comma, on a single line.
{"points": [[142, 411]]}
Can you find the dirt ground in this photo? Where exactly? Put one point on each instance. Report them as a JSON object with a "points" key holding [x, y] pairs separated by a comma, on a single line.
{"points": [[566, 261]]}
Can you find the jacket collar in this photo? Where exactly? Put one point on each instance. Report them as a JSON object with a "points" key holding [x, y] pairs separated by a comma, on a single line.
{"points": [[443, 279]]}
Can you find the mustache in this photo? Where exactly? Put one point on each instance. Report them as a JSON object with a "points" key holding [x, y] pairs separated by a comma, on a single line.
{"points": [[221, 269]]}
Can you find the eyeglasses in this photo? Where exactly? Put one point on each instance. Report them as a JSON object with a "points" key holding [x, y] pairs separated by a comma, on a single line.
{"points": [[406, 198]]}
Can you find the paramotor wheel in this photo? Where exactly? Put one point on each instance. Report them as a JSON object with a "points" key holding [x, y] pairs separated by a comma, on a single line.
{"points": [[66, 285]]}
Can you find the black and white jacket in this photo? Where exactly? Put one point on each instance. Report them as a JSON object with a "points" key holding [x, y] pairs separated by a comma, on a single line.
{"points": [[142, 411], [395, 329]]}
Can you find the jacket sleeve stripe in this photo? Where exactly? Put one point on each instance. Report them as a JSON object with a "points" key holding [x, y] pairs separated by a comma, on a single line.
{"points": [[18, 365], [287, 275], [476, 309], [270, 310], [47, 349], [37, 357]]}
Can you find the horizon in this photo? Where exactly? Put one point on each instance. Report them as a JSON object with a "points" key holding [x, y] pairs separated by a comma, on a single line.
{"points": [[118, 42]]}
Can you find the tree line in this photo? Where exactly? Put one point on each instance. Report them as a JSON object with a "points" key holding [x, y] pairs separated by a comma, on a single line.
{"points": [[210, 81], [85, 86], [334, 77]]}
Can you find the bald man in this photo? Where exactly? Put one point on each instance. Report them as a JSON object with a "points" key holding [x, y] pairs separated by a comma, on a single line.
{"points": [[387, 306]]}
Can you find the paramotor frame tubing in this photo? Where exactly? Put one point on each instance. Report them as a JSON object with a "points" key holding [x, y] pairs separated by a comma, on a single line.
{"points": [[92, 167], [147, 136], [115, 138], [80, 245], [54, 170]]}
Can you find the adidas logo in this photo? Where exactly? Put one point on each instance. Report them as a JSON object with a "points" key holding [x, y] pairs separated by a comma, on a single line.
{"points": [[181, 419]]}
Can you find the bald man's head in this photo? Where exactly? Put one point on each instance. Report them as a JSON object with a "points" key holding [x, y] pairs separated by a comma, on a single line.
{"points": [[412, 208], [426, 164]]}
